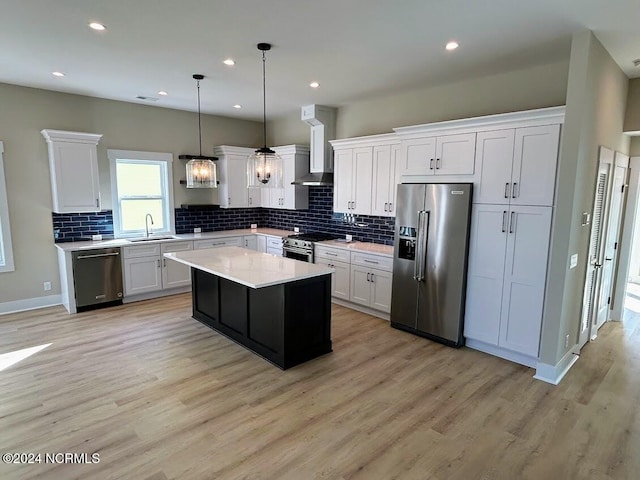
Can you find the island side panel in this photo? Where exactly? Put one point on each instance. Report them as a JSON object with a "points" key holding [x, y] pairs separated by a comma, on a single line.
{"points": [[205, 297], [234, 307], [307, 321], [266, 314]]}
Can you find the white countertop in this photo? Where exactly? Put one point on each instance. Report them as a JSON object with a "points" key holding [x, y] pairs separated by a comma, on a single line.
{"points": [[366, 247], [120, 242], [248, 267]]}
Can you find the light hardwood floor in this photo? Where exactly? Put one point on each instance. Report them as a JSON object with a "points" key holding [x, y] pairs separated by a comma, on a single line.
{"points": [[160, 396]]}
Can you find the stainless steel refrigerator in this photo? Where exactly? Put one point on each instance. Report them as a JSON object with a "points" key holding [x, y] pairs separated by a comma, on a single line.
{"points": [[430, 260]]}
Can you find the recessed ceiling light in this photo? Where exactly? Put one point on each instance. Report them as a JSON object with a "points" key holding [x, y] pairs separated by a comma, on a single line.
{"points": [[314, 84], [163, 93], [237, 106], [452, 45], [57, 74], [230, 62], [97, 26]]}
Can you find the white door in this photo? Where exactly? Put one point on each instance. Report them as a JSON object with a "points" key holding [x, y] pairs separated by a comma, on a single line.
{"points": [[487, 245], [596, 251], [525, 273], [361, 180], [419, 156], [250, 242], [455, 154], [339, 278], [175, 274], [381, 184], [494, 156], [76, 178], [381, 290], [611, 240], [261, 243], [396, 155], [342, 178], [255, 197], [142, 275], [360, 285], [237, 181]]}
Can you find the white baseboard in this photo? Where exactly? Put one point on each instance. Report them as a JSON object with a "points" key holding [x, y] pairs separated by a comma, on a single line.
{"points": [[553, 374], [512, 356], [156, 294], [360, 308], [30, 304]]}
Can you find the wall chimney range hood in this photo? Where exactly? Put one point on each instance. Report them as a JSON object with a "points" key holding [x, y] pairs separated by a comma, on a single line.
{"points": [[322, 120]]}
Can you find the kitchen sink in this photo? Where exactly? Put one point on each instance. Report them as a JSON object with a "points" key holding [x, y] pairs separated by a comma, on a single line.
{"points": [[150, 239]]}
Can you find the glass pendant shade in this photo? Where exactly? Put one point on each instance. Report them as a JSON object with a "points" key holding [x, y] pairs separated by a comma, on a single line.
{"points": [[264, 167], [201, 173]]}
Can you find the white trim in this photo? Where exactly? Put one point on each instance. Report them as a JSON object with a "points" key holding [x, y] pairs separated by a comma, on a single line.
{"points": [[553, 374], [70, 137], [156, 294], [360, 308], [29, 304], [382, 139], [526, 118], [292, 149], [510, 355], [5, 227], [231, 150]]}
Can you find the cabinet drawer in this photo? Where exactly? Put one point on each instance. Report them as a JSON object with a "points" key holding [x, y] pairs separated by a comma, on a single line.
{"points": [[176, 246], [275, 251], [372, 261], [217, 242], [274, 242], [138, 251], [332, 253]]}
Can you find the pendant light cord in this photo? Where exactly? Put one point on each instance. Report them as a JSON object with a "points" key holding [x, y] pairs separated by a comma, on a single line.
{"points": [[264, 100], [199, 125]]}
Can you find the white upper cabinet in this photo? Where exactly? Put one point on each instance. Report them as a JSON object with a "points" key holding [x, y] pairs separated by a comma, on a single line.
{"points": [[353, 169], [517, 166], [73, 163], [232, 175], [442, 155], [385, 179], [295, 163]]}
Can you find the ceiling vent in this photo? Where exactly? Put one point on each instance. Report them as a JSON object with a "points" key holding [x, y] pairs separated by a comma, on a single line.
{"points": [[147, 99]]}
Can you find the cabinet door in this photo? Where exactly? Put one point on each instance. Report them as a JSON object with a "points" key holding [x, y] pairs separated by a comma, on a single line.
{"points": [[75, 178], [342, 179], [261, 243], [534, 165], [251, 242], [361, 180], [175, 274], [485, 273], [237, 182], [524, 278], [340, 278], [494, 156], [394, 178], [455, 154], [276, 197], [419, 156], [382, 171], [360, 285], [255, 197], [381, 290], [142, 275]]}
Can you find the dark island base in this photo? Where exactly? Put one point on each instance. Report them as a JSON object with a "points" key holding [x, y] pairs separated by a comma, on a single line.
{"points": [[286, 324]]}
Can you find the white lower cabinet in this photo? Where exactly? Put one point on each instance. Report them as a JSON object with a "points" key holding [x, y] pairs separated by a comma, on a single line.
{"points": [[340, 278], [261, 243], [146, 270], [506, 278], [274, 245], [371, 287], [218, 242], [250, 242]]}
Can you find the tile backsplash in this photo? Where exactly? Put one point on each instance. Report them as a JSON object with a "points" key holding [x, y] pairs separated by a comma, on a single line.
{"points": [[318, 218]]}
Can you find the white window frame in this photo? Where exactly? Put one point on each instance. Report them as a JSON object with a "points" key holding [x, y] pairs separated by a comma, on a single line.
{"points": [[5, 229], [142, 157]]}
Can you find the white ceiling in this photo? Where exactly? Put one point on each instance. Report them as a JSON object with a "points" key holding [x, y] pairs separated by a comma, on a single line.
{"points": [[354, 48]]}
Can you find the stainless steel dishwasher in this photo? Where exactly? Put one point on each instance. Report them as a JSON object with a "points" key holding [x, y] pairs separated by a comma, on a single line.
{"points": [[97, 276]]}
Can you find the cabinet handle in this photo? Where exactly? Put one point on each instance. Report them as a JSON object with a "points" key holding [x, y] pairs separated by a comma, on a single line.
{"points": [[332, 254], [431, 164], [506, 190], [437, 163], [164, 262], [368, 277], [250, 200], [373, 278], [229, 199], [158, 262], [511, 222], [371, 261], [354, 205], [385, 207], [504, 218], [97, 203], [514, 190], [391, 207]]}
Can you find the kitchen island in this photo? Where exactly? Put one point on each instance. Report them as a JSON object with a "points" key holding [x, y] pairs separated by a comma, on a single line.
{"points": [[276, 307]]}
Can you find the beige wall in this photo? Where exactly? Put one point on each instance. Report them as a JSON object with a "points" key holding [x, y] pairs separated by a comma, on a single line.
{"points": [[634, 149], [596, 100], [632, 115], [26, 111], [535, 87]]}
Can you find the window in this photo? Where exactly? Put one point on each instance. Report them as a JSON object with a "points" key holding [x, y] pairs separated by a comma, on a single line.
{"points": [[6, 251], [141, 184]]}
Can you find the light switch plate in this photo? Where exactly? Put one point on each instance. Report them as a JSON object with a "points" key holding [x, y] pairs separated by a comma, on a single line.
{"points": [[254, 225], [197, 230], [573, 262], [296, 230], [348, 238], [96, 238]]}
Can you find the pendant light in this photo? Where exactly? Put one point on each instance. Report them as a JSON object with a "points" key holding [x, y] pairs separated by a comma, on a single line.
{"points": [[201, 171], [264, 166]]}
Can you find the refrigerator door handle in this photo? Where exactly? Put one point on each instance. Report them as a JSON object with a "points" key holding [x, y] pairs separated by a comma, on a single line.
{"points": [[421, 246]]}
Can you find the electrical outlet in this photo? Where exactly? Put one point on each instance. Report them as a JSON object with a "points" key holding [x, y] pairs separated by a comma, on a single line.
{"points": [[96, 238], [197, 230], [573, 261], [348, 238], [254, 225], [566, 341], [296, 230], [46, 286]]}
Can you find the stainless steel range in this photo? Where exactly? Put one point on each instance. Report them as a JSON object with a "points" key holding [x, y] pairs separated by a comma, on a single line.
{"points": [[301, 246]]}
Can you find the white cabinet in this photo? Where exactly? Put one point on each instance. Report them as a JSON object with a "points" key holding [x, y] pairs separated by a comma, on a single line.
{"points": [[386, 176], [250, 242], [261, 243], [274, 245], [506, 277], [340, 261], [255, 197], [353, 169], [371, 287], [517, 166], [145, 270], [73, 164], [441, 155], [232, 175], [294, 163], [218, 242]]}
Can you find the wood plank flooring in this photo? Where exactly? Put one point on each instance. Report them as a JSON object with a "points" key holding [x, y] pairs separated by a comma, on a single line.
{"points": [[160, 396]]}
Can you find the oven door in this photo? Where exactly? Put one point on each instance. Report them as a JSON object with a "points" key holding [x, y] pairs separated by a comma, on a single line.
{"points": [[301, 254]]}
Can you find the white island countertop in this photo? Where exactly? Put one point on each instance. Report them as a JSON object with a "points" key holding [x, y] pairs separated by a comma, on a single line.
{"points": [[248, 267]]}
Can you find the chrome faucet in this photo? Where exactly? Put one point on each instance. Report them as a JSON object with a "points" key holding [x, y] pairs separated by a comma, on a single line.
{"points": [[146, 223]]}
